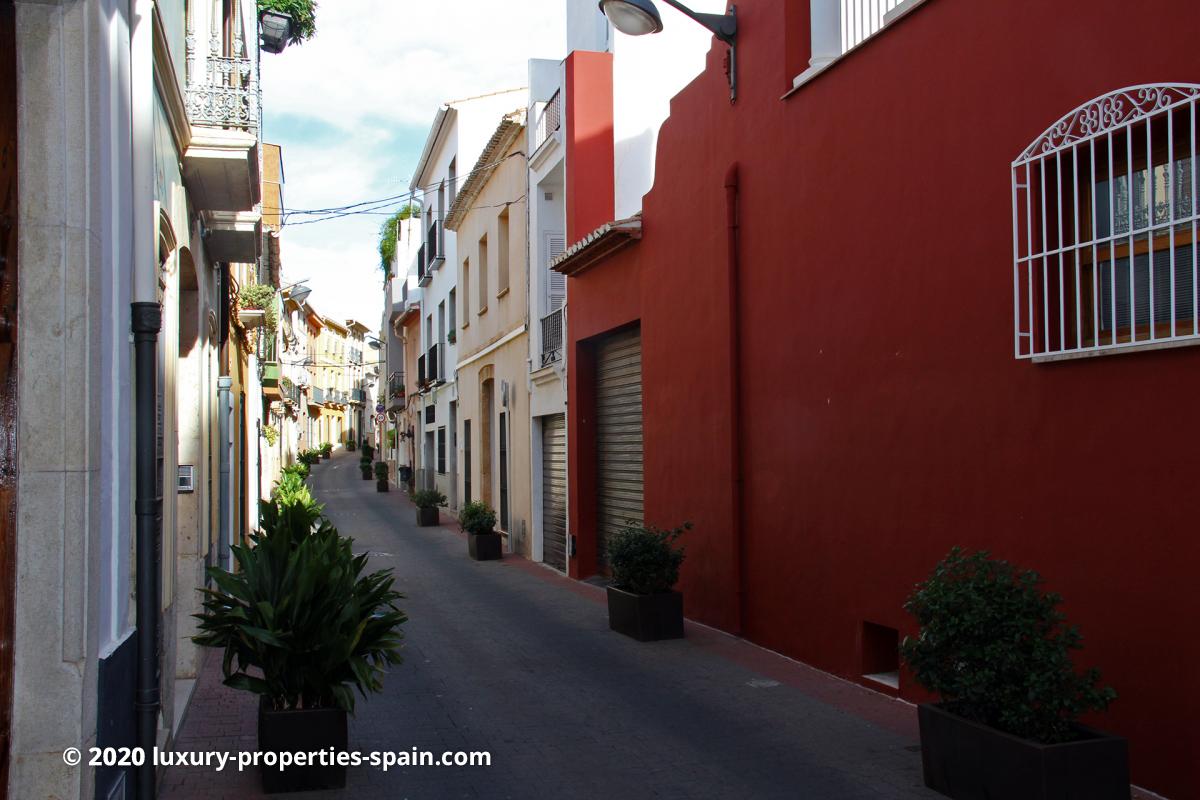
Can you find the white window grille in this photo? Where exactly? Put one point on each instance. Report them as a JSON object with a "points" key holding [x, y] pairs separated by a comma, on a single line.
{"points": [[1104, 227]]}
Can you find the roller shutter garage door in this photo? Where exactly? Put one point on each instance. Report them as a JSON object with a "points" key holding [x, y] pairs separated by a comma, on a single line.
{"points": [[554, 491], [618, 436]]}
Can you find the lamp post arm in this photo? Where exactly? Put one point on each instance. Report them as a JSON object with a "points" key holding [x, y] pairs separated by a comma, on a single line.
{"points": [[723, 26]]}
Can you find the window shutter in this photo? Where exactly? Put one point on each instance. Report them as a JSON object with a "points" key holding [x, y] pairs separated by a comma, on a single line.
{"points": [[556, 286]]}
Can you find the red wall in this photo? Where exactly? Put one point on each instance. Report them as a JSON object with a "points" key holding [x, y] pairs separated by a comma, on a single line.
{"points": [[589, 142], [884, 418]]}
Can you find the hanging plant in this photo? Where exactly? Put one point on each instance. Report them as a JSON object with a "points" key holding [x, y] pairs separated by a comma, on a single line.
{"points": [[387, 235], [271, 434], [260, 297], [302, 12]]}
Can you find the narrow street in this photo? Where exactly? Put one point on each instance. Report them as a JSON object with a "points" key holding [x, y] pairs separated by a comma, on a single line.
{"points": [[510, 658]]}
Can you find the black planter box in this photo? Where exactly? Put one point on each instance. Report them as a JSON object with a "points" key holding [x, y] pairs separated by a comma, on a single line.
{"points": [[485, 546], [969, 761], [381, 485], [367, 474], [646, 617], [427, 517], [308, 730]]}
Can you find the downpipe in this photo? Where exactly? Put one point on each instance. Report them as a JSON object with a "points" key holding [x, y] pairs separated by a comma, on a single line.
{"points": [[147, 321], [733, 276], [224, 490]]}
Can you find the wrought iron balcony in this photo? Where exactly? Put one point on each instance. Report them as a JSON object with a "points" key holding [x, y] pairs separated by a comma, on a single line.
{"points": [[549, 120], [433, 366], [421, 379], [423, 274], [435, 244], [396, 384], [225, 95], [552, 337]]}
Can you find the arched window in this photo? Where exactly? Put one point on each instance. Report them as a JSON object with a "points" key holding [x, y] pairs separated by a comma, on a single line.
{"points": [[1105, 227]]}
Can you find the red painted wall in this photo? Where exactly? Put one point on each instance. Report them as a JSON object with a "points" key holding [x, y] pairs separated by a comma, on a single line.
{"points": [[589, 141], [884, 417]]}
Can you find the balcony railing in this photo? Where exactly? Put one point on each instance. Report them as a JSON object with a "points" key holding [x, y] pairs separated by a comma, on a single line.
{"points": [[358, 396], [552, 337], [549, 121], [225, 95], [422, 271], [838, 26], [318, 395], [396, 384]]}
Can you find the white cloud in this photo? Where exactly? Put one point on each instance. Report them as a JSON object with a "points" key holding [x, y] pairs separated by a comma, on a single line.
{"points": [[399, 60]]}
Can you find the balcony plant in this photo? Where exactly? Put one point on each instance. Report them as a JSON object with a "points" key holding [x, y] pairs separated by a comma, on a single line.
{"points": [[478, 520], [303, 626], [381, 476], [452, 336], [256, 307], [642, 601], [303, 14], [995, 647], [427, 502]]}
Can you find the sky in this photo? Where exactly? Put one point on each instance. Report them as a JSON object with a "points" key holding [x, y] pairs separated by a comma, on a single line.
{"points": [[352, 107]]}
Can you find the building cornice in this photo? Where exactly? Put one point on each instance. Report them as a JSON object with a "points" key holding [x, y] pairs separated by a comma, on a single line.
{"points": [[167, 83], [509, 130], [598, 245]]}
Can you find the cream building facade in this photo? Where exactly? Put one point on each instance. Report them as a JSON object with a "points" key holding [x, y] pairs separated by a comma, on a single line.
{"points": [[489, 220]]}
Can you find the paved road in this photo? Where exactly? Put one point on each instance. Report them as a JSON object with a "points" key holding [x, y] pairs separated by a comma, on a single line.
{"points": [[511, 658]]}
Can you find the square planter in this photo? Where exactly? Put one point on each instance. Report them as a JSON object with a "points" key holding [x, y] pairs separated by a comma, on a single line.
{"points": [[485, 546], [969, 761], [381, 485], [646, 617], [367, 474], [306, 730], [427, 517]]}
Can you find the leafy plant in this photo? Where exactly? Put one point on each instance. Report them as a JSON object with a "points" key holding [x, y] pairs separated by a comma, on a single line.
{"points": [[391, 438], [387, 235], [309, 457], [300, 469], [477, 517], [428, 498], [381, 470], [271, 434], [451, 336], [260, 296], [645, 559], [326, 448], [302, 12], [299, 621], [997, 649], [368, 452]]}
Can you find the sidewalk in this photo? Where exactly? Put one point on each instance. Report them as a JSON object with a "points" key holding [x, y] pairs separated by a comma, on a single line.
{"points": [[513, 658]]}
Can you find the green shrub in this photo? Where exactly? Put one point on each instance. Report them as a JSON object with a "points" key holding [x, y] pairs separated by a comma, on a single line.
{"points": [[326, 448], [428, 498], [995, 647], [309, 457], [299, 621], [381, 470], [299, 468], [645, 559], [477, 517], [271, 434], [260, 296], [368, 452]]}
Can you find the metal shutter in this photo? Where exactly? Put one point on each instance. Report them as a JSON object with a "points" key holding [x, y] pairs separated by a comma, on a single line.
{"points": [[554, 491], [618, 435]]}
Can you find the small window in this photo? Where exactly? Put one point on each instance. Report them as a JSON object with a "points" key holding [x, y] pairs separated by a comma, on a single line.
{"points": [[483, 273], [466, 284], [881, 654], [502, 245]]}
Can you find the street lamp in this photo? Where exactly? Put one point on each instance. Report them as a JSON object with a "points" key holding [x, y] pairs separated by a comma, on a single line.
{"points": [[276, 29], [299, 295], [640, 17]]}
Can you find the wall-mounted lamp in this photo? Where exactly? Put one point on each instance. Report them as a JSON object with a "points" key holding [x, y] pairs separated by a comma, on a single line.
{"points": [[640, 17], [275, 28]]}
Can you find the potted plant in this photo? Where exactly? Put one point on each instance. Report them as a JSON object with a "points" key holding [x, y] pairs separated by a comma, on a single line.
{"points": [[271, 434], [350, 444], [642, 602], [381, 476], [303, 627], [427, 502], [996, 649], [326, 450], [366, 469], [309, 457], [452, 336], [256, 307], [479, 521]]}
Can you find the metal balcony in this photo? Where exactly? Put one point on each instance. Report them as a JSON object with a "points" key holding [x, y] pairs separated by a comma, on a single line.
{"points": [[549, 120], [552, 337]]}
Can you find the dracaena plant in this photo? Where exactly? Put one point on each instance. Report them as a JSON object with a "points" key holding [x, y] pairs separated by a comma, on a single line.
{"points": [[997, 649], [301, 622]]}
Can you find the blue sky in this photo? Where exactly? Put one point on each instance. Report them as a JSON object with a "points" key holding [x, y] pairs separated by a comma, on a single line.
{"points": [[351, 109]]}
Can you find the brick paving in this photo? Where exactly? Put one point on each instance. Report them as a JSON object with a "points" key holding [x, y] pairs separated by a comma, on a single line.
{"points": [[515, 659]]}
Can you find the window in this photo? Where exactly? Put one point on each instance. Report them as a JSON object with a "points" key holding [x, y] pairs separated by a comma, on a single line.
{"points": [[466, 284], [453, 175], [441, 450], [504, 471], [466, 460], [502, 253], [483, 274], [453, 310], [1105, 221]]}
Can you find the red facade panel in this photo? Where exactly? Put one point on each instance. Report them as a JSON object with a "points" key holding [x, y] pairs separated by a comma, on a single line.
{"points": [[882, 416]]}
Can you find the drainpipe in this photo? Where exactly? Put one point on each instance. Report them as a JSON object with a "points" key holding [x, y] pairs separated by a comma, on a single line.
{"points": [[224, 412], [145, 323], [737, 543]]}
